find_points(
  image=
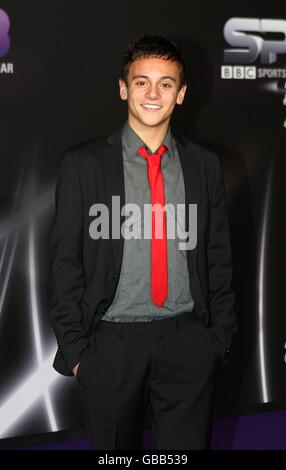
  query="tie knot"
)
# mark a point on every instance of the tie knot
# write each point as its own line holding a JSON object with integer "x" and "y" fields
{"x": 143, "y": 152}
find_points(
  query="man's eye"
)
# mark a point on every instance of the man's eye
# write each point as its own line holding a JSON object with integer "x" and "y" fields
{"x": 166, "y": 85}
{"x": 137, "y": 83}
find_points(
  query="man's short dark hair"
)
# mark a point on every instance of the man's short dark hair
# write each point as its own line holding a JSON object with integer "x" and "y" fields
{"x": 152, "y": 45}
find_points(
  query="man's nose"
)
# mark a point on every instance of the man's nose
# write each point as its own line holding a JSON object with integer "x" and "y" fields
{"x": 153, "y": 92}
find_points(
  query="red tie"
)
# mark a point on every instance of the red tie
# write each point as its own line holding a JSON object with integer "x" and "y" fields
{"x": 159, "y": 267}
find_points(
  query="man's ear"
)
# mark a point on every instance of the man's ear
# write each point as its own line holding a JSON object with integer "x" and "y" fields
{"x": 181, "y": 94}
{"x": 122, "y": 89}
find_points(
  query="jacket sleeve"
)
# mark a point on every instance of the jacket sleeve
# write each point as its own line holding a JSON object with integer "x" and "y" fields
{"x": 66, "y": 277}
{"x": 222, "y": 317}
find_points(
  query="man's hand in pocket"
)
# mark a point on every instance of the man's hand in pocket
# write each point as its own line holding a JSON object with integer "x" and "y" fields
{"x": 74, "y": 370}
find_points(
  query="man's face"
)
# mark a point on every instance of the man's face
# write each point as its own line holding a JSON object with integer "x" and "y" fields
{"x": 152, "y": 92}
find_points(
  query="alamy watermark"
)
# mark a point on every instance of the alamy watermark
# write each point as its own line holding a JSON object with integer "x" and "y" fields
{"x": 151, "y": 222}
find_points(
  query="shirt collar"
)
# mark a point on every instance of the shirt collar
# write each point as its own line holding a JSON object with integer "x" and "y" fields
{"x": 132, "y": 142}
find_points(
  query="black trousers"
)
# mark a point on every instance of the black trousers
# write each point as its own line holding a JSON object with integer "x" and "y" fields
{"x": 169, "y": 366}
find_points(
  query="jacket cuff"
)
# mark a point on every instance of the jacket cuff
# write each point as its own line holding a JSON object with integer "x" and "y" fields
{"x": 222, "y": 343}
{"x": 71, "y": 356}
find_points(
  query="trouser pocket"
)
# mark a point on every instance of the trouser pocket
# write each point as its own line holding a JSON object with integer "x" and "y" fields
{"x": 80, "y": 371}
{"x": 207, "y": 334}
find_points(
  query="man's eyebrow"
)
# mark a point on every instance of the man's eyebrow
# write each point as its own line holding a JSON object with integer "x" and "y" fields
{"x": 162, "y": 78}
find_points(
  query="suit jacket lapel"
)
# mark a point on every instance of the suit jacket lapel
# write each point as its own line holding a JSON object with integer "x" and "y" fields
{"x": 114, "y": 181}
{"x": 191, "y": 176}
{"x": 190, "y": 173}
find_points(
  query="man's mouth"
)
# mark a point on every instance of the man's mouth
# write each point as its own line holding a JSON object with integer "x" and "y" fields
{"x": 151, "y": 107}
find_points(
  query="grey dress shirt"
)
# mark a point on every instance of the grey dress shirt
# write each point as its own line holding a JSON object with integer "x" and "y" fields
{"x": 132, "y": 301}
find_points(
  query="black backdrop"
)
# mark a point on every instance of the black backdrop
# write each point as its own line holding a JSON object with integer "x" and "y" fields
{"x": 66, "y": 58}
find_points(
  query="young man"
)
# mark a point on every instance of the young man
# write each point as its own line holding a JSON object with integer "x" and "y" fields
{"x": 140, "y": 321}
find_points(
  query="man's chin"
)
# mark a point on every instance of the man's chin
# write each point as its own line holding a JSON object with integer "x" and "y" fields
{"x": 152, "y": 122}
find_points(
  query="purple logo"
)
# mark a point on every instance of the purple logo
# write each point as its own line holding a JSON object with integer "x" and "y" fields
{"x": 4, "y": 29}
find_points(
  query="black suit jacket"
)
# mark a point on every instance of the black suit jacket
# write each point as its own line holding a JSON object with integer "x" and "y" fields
{"x": 85, "y": 272}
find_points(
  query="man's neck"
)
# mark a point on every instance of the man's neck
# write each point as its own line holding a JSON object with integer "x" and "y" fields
{"x": 151, "y": 136}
